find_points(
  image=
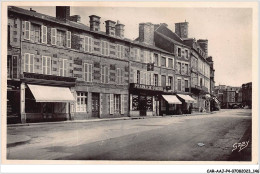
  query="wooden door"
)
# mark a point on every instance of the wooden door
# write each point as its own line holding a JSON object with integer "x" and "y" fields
{"x": 95, "y": 105}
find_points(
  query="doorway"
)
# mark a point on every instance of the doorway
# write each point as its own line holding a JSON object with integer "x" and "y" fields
{"x": 95, "y": 105}
{"x": 142, "y": 105}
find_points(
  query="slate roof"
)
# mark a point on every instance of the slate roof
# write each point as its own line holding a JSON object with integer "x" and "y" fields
{"x": 77, "y": 25}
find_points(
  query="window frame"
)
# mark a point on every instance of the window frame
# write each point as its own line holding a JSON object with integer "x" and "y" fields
{"x": 29, "y": 64}
{"x": 46, "y": 66}
{"x": 64, "y": 67}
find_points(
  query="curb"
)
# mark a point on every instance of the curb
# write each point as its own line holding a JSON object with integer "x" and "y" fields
{"x": 105, "y": 119}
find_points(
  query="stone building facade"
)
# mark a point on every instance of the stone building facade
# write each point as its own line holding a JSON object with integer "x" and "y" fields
{"x": 66, "y": 54}
{"x": 62, "y": 69}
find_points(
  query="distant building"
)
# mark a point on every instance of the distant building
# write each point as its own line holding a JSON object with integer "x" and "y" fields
{"x": 247, "y": 94}
{"x": 229, "y": 97}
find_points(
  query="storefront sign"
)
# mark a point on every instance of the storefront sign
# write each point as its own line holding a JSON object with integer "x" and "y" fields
{"x": 147, "y": 87}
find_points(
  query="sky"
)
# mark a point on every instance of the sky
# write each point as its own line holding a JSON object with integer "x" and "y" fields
{"x": 228, "y": 30}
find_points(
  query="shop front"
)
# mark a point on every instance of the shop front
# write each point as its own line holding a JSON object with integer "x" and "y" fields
{"x": 46, "y": 98}
{"x": 187, "y": 103}
{"x": 170, "y": 105}
{"x": 145, "y": 100}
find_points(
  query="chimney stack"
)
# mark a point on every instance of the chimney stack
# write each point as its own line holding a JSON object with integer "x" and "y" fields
{"x": 181, "y": 29}
{"x": 204, "y": 45}
{"x": 75, "y": 18}
{"x": 94, "y": 23}
{"x": 120, "y": 29}
{"x": 146, "y": 33}
{"x": 110, "y": 27}
{"x": 63, "y": 12}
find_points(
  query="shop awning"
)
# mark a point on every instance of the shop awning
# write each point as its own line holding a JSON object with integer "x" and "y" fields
{"x": 51, "y": 93}
{"x": 171, "y": 99}
{"x": 187, "y": 98}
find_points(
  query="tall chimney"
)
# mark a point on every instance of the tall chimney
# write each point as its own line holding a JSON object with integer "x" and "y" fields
{"x": 94, "y": 23}
{"x": 110, "y": 27}
{"x": 120, "y": 29}
{"x": 146, "y": 33}
{"x": 63, "y": 12}
{"x": 204, "y": 45}
{"x": 181, "y": 29}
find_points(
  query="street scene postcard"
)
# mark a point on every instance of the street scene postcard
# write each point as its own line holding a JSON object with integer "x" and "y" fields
{"x": 129, "y": 82}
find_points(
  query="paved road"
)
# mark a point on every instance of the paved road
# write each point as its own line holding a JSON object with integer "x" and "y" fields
{"x": 166, "y": 138}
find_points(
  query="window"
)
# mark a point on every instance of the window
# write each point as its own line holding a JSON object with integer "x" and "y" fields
{"x": 179, "y": 52}
{"x": 120, "y": 51}
{"x": 104, "y": 74}
{"x": 46, "y": 65}
{"x": 138, "y": 77}
{"x": 61, "y": 38}
{"x": 178, "y": 67}
{"x": 12, "y": 66}
{"x": 119, "y": 76}
{"x": 186, "y": 54}
{"x": 88, "y": 72}
{"x": 68, "y": 39}
{"x": 105, "y": 48}
{"x": 53, "y": 36}
{"x": 63, "y": 67}
{"x": 179, "y": 84}
{"x": 28, "y": 62}
{"x": 44, "y": 34}
{"x": 88, "y": 44}
{"x": 163, "y": 77}
{"x": 156, "y": 59}
{"x": 155, "y": 79}
{"x": 27, "y": 30}
{"x": 81, "y": 105}
{"x": 117, "y": 103}
{"x": 186, "y": 69}
{"x": 201, "y": 82}
{"x": 186, "y": 82}
{"x": 170, "y": 63}
{"x": 163, "y": 61}
{"x": 35, "y": 33}
{"x": 170, "y": 81}
{"x": 137, "y": 53}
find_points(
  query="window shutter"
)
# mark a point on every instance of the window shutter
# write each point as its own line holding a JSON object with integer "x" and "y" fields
{"x": 90, "y": 42}
{"x": 135, "y": 76}
{"x": 53, "y": 36}
{"x": 122, "y": 104}
{"x": 68, "y": 39}
{"x": 107, "y": 43}
{"x": 152, "y": 83}
{"x": 141, "y": 77}
{"x": 159, "y": 60}
{"x": 90, "y": 72}
{"x": 85, "y": 72}
{"x": 145, "y": 78}
{"x": 117, "y": 76}
{"x": 102, "y": 74}
{"x": 111, "y": 106}
{"x": 44, "y": 34}
{"x": 167, "y": 80}
{"x": 27, "y": 30}
{"x": 107, "y": 75}
{"x": 122, "y": 51}
{"x": 122, "y": 77}
{"x": 152, "y": 57}
{"x": 102, "y": 47}
{"x": 167, "y": 62}
{"x": 159, "y": 80}
{"x": 26, "y": 62}
{"x": 31, "y": 63}
{"x": 85, "y": 44}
